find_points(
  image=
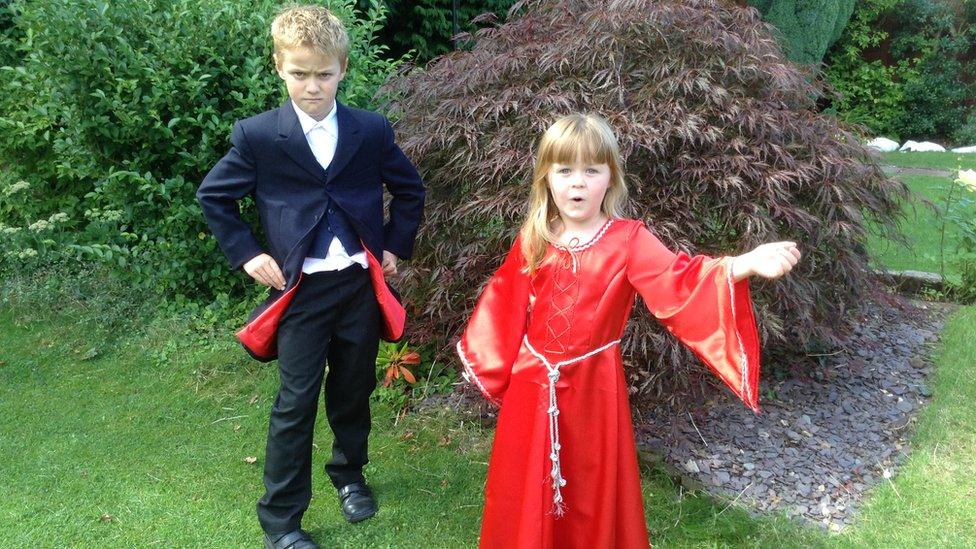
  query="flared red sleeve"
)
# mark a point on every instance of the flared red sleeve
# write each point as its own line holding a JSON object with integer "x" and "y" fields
{"x": 696, "y": 299}
{"x": 492, "y": 338}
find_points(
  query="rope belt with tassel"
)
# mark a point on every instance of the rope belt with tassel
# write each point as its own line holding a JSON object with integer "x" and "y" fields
{"x": 553, "y": 374}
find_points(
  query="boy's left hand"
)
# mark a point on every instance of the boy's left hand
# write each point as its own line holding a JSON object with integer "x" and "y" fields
{"x": 389, "y": 263}
{"x": 771, "y": 260}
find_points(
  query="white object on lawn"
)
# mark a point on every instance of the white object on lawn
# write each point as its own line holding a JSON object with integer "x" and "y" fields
{"x": 883, "y": 144}
{"x": 921, "y": 146}
{"x": 969, "y": 149}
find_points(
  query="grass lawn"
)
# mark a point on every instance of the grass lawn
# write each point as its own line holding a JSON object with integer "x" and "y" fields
{"x": 113, "y": 438}
{"x": 922, "y": 223}
{"x": 146, "y": 443}
{"x": 937, "y": 160}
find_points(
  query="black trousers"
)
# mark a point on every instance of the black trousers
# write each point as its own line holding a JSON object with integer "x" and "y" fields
{"x": 333, "y": 318}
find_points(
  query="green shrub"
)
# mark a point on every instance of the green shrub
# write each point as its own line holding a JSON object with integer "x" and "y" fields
{"x": 965, "y": 135}
{"x": 902, "y": 66}
{"x": 426, "y": 27}
{"x": 955, "y": 211}
{"x": 807, "y": 28}
{"x": 870, "y": 93}
{"x": 117, "y": 111}
{"x": 938, "y": 37}
{"x": 8, "y": 34}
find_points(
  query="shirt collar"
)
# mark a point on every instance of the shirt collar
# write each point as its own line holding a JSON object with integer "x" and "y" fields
{"x": 329, "y": 123}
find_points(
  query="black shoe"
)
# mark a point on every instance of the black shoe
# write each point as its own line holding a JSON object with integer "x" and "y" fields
{"x": 356, "y": 501}
{"x": 296, "y": 539}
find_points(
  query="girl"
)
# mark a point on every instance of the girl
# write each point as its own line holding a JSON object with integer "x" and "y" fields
{"x": 543, "y": 343}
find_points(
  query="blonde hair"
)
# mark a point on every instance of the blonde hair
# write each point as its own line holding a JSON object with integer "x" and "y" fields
{"x": 578, "y": 137}
{"x": 311, "y": 27}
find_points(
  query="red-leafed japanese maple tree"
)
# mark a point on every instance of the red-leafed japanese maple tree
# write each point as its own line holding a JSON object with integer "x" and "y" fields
{"x": 723, "y": 144}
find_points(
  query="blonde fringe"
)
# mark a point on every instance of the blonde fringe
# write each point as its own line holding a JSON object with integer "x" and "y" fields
{"x": 576, "y": 137}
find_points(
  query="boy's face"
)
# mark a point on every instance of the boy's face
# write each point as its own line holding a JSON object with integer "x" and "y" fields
{"x": 312, "y": 78}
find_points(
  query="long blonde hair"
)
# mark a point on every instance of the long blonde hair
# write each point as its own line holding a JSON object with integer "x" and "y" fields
{"x": 578, "y": 137}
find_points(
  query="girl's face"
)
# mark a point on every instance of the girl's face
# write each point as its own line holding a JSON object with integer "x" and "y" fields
{"x": 578, "y": 190}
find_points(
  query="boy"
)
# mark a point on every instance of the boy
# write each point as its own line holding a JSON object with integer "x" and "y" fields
{"x": 316, "y": 170}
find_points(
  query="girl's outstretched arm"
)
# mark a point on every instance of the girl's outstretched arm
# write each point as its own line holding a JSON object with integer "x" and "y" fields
{"x": 699, "y": 302}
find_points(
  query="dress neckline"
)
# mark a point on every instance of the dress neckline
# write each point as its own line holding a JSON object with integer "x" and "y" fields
{"x": 588, "y": 244}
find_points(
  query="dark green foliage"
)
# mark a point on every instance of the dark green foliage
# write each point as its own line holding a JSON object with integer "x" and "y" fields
{"x": 807, "y": 27}
{"x": 115, "y": 114}
{"x": 905, "y": 68}
{"x": 869, "y": 92}
{"x": 8, "y": 34}
{"x": 427, "y": 26}
{"x": 938, "y": 37}
{"x": 724, "y": 150}
{"x": 965, "y": 135}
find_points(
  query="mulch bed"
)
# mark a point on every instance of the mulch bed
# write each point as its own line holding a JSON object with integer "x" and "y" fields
{"x": 822, "y": 441}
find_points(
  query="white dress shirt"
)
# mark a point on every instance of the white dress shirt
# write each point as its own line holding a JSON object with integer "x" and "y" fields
{"x": 322, "y": 136}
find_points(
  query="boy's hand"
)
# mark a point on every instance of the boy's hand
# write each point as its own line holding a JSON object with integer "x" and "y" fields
{"x": 389, "y": 263}
{"x": 771, "y": 260}
{"x": 264, "y": 270}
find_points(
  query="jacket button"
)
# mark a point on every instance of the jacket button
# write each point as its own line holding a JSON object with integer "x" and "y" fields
{"x": 330, "y": 210}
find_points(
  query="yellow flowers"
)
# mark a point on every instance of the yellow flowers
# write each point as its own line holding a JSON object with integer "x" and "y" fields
{"x": 967, "y": 178}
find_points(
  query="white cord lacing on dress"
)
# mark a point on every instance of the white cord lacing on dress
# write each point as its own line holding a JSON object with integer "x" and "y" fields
{"x": 553, "y": 411}
{"x": 589, "y": 243}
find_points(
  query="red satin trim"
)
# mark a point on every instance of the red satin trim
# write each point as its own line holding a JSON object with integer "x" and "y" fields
{"x": 260, "y": 335}
{"x": 393, "y": 317}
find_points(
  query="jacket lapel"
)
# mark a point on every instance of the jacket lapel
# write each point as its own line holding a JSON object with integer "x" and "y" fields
{"x": 350, "y": 137}
{"x": 292, "y": 141}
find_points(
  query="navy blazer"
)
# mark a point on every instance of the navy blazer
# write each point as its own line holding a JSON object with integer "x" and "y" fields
{"x": 270, "y": 160}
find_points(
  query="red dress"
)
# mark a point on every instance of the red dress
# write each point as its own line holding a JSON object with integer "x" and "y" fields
{"x": 563, "y": 470}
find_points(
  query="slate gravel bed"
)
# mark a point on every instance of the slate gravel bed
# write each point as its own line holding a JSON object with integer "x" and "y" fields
{"x": 821, "y": 441}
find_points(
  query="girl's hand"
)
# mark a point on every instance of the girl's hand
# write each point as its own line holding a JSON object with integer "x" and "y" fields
{"x": 771, "y": 260}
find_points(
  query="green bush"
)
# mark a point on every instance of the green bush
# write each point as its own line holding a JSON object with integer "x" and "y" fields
{"x": 425, "y": 27}
{"x": 8, "y": 34}
{"x": 806, "y": 27}
{"x": 955, "y": 211}
{"x": 115, "y": 113}
{"x": 902, "y": 66}
{"x": 965, "y": 135}
{"x": 870, "y": 93}
{"x": 938, "y": 36}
